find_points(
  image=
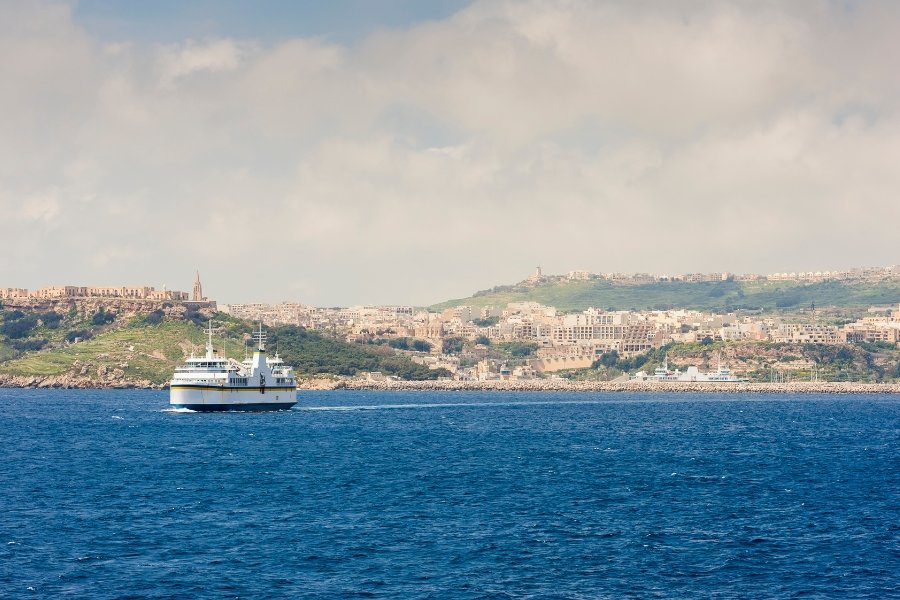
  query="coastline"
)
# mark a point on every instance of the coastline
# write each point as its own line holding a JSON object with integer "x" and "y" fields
{"x": 68, "y": 382}
{"x": 557, "y": 385}
{"x": 535, "y": 385}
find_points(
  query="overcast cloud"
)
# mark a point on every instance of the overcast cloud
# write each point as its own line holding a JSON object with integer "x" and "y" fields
{"x": 415, "y": 164}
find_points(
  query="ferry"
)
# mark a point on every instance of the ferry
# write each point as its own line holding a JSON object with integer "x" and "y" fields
{"x": 215, "y": 383}
{"x": 691, "y": 375}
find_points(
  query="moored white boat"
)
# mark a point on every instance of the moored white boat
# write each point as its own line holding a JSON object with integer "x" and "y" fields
{"x": 690, "y": 375}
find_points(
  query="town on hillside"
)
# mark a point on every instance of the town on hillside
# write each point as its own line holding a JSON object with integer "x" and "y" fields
{"x": 541, "y": 340}
{"x": 546, "y": 340}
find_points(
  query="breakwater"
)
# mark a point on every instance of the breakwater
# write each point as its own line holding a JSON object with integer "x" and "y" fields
{"x": 534, "y": 385}
{"x": 562, "y": 385}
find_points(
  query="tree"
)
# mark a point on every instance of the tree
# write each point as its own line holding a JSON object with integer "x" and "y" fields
{"x": 452, "y": 345}
{"x": 311, "y": 353}
{"x": 486, "y": 322}
{"x": 399, "y": 343}
{"x": 421, "y": 346}
{"x": 483, "y": 340}
{"x": 519, "y": 349}
{"x": 609, "y": 359}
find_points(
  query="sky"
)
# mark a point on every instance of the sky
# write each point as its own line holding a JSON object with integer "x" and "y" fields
{"x": 407, "y": 152}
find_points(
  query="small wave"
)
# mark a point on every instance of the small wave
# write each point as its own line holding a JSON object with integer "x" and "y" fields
{"x": 117, "y": 417}
{"x": 448, "y": 405}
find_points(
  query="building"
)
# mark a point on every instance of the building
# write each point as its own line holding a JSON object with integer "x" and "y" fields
{"x": 197, "y": 295}
{"x": 58, "y": 292}
{"x": 804, "y": 333}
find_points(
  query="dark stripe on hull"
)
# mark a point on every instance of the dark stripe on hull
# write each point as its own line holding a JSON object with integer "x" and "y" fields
{"x": 219, "y": 388}
{"x": 256, "y": 407}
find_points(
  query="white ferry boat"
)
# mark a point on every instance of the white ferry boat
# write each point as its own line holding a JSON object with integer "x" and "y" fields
{"x": 692, "y": 374}
{"x": 216, "y": 383}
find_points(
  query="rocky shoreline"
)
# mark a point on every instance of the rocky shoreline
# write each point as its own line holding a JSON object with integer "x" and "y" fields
{"x": 537, "y": 385}
{"x": 74, "y": 382}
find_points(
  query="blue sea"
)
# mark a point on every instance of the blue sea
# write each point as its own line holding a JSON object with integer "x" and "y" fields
{"x": 107, "y": 494}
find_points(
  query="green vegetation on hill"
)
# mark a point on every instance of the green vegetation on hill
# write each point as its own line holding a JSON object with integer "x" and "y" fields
{"x": 713, "y": 296}
{"x": 148, "y": 347}
{"x": 141, "y": 352}
{"x": 312, "y": 354}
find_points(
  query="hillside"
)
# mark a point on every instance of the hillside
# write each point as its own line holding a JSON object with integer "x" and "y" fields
{"x": 118, "y": 347}
{"x": 711, "y": 296}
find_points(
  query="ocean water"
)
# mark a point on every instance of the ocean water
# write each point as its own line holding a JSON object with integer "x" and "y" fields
{"x": 106, "y": 494}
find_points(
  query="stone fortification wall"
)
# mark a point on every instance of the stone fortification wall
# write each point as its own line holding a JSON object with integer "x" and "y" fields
{"x": 85, "y": 307}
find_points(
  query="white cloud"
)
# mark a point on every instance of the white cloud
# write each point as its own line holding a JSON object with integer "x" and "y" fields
{"x": 43, "y": 209}
{"x": 431, "y": 161}
{"x": 192, "y": 57}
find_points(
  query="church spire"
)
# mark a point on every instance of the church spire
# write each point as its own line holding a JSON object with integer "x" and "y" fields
{"x": 198, "y": 289}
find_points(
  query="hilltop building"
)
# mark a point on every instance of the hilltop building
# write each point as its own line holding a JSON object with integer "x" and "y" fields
{"x": 129, "y": 292}
{"x": 126, "y": 292}
{"x": 535, "y": 277}
{"x": 197, "y": 295}
{"x": 198, "y": 300}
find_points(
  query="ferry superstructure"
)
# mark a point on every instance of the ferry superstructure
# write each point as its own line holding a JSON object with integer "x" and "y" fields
{"x": 215, "y": 383}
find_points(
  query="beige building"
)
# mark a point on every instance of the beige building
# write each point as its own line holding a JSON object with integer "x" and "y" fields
{"x": 872, "y": 334}
{"x": 804, "y": 333}
{"x": 129, "y": 292}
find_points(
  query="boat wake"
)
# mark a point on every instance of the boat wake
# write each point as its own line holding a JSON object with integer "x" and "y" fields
{"x": 178, "y": 410}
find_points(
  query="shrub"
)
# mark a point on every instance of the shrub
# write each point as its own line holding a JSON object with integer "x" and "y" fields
{"x": 844, "y": 355}
{"x": 29, "y": 345}
{"x": 19, "y": 328}
{"x": 84, "y": 334}
{"x": 50, "y": 319}
{"x": 154, "y": 318}
{"x": 101, "y": 317}
{"x": 193, "y": 315}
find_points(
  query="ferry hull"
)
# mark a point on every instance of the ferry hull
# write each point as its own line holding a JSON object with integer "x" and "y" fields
{"x": 235, "y": 407}
{"x": 218, "y": 399}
